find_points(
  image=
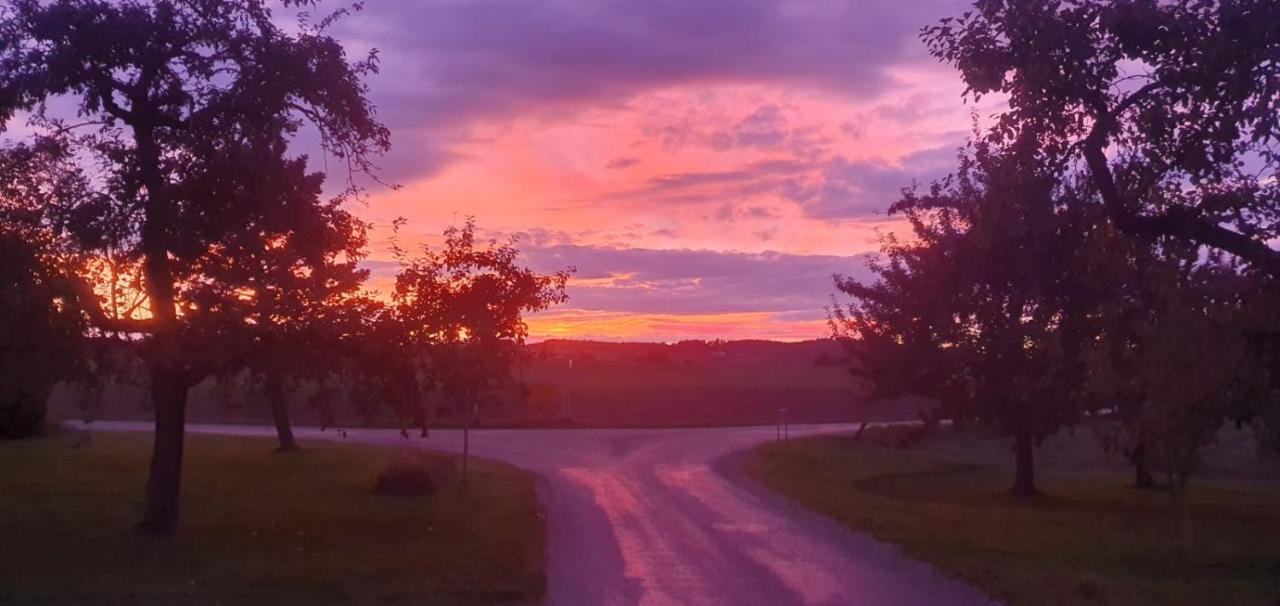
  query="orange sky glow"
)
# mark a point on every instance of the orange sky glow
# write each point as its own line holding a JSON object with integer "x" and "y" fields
{"x": 703, "y": 187}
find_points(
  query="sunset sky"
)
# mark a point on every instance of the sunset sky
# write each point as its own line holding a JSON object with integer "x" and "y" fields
{"x": 706, "y": 166}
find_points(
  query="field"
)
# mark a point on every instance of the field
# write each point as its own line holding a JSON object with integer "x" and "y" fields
{"x": 587, "y": 384}
{"x": 1093, "y": 539}
{"x": 259, "y": 528}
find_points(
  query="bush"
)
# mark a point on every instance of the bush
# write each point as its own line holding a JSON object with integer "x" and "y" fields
{"x": 21, "y": 416}
{"x": 415, "y": 474}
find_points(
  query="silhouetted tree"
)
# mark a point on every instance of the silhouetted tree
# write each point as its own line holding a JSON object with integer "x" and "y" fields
{"x": 389, "y": 368}
{"x": 1192, "y": 87}
{"x": 44, "y": 297}
{"x": 980, "y": 307}
{"x": 296, "y": 280}
{"x": 1259, "y": 300}
{"x": 1135, "y": 275}
{"x": 1184, "y": 368}
{"x": 464, "y": 305}
{"x": 182, "y": 104}
{"x": 901, "y": 330}
{"x": 1174, "y": 110}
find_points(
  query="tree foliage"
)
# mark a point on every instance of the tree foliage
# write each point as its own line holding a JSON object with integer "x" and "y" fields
{"x": 44, "y": 296}
{"x": 1110, "y": 244}
{"x": 187, "y": 109}
{"x": 463, "y": 305}
{"x": 983, "y": 306}
{"x": 292, "y": 290}
{"x": 1191, "y": 88}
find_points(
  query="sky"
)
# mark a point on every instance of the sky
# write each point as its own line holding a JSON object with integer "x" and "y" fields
{"x": 705, "y": 166}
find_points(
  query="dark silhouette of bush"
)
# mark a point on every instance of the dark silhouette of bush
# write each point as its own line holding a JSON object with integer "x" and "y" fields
{"x": 21, "y": 416}
{"x": 415, "y": 475}
{"x": 43, "y": 301}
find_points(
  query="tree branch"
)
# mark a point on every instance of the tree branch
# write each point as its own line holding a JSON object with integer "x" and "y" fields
{"x": 1179, "y": 222}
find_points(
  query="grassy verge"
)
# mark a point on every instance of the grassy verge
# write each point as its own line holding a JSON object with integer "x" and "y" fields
{"x": 1092, "y": 540}
{"x": 259, "y": 528}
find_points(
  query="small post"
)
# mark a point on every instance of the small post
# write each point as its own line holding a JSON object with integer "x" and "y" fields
{"x": 784, "y": 427}
{"x": 566, "y": 398}
{"x": 466, "y": 438}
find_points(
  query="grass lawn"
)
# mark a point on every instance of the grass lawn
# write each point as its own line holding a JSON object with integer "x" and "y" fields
{"x": 1092, "y": 540}
{"x": 259, "y": 528}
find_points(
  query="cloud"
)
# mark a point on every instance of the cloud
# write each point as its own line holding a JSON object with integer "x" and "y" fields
{"x": 728, "y": 213}
{"x": 746, "y": 174}
{"x": 613, "y": 326}
{"x": 601, "y": 130}
{"x": 620, "y": 163}
{"x": 766, "y": 234}
{"x": 827, "y": 188}
{"x": 449, "y": 63}
{"x": 719, "y": 186}
{"x": 639, "y": 280}
{"x": 764, "y": 128}
{"x": 845, "y": 189}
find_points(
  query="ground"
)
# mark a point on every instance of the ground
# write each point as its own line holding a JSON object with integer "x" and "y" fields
{"x": 259, "y": 527}
{"x": 659, "y": 516}
{"x": 1091, "y": 540}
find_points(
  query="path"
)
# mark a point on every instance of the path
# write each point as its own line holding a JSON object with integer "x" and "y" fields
{"x": 640, "y": 516}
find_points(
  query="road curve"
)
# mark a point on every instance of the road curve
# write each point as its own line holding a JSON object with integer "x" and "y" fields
{"x": 653, "y": 517}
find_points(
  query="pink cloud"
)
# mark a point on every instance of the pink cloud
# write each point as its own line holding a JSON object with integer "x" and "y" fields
{"x": 643, "y": 138}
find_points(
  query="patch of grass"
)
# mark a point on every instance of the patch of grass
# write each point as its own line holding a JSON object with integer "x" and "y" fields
{"x": 259, "y": 528}
{"x": 1092, "y": 540}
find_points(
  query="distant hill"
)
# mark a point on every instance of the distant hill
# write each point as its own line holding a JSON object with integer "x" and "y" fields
{"x": 689, "y": 382}
{"x": 803, "y": 353}
{"x": 605, "y": 384}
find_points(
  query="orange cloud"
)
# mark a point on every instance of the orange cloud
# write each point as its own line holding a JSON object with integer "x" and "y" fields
{"x": 707, "y": 166}
{"x": 624, "y": 326}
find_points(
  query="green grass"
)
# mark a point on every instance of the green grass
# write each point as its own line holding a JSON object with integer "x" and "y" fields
{"x": 1092, "y": 540}
{"x": 259, "y": 528}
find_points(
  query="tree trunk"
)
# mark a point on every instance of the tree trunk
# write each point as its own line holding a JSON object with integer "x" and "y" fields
{"x": 169, "y": 380}
{"x": 1142, "y": 478}
{"x": 466, "y": 449}
{"x": 280, "y": 414}
{"x": 1024, "y": 477}
{"x": 1182, "y": 509}
{"x": 169, "y": 398}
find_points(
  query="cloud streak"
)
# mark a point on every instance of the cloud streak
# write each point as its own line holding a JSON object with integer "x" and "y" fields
{"x": 706, "y": 165}
{"x": 695, "y": 281}
{"x": 450, "y": 63}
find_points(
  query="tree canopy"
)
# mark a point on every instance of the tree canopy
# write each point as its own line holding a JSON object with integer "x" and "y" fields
{"x": 464, "y": 305}
{"x": 1189, "y": 88}
{"x": 44, "y": 296}
{"x": 187, "y": 109}
{"x": 981, "y": 306}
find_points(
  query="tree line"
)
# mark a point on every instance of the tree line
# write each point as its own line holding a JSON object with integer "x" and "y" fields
{"x": 1106, "y": 248}
{"x": 155, "y": 211}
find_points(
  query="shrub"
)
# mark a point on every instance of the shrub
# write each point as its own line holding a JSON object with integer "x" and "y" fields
{"x": 21, "y": 416}
{"x": 415, "y": 474}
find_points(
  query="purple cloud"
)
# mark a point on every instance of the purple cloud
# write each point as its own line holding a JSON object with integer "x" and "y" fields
{"x": 831, "y": 188}
{"x": 620, "y": 163}
{"x": 729, "y": 213}
{"x": 845, "y": 189}
{"x": 696, "y": 281}
{"x": 764, "y": 128}
{"x": 448, "y": 63}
